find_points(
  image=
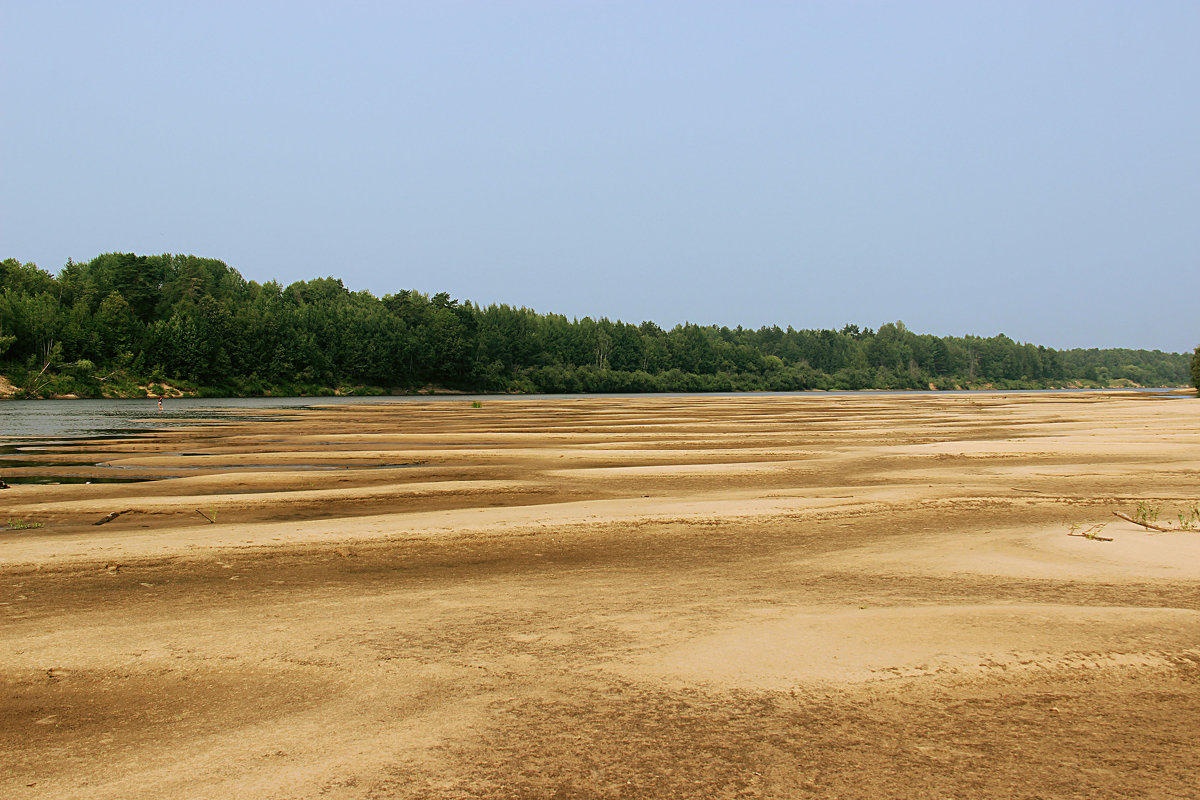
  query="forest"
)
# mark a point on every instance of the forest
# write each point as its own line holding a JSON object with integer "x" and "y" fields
{"x": 122, "y": 324}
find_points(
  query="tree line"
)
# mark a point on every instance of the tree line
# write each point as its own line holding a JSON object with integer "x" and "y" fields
{"x": 122, "y": 321}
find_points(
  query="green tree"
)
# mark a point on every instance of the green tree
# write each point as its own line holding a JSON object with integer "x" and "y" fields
{"x": 115, "y": 326}
{"x": 196, "y": 318}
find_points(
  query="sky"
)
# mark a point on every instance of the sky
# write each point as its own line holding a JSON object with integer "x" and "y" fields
{"x": 1026, "y": 168}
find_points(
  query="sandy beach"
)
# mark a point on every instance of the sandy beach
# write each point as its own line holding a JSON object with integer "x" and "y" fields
{"x": 805, "y": 596}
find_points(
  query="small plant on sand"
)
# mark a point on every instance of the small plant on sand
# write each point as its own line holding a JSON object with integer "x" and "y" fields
{"x": 1090, "y": 532}
{"x": 1189, "y": 518}
{"x": 476, "y": 404}
{"x": 22, "y": 525}
{"x": 1146, "y": 512}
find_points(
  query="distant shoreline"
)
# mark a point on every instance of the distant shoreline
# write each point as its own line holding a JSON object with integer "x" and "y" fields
{"x": 8, "y": 392}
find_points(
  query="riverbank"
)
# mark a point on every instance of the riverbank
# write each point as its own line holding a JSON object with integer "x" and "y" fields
{"x": 81, "y": 383}
{"x": 757, "y": 596}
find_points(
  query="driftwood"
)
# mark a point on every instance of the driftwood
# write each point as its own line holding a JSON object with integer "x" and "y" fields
{"x": 1149, "y": 525}
{"x": 111, "y": 517}
{"x": 206, "y": 516}
{"x": 1092, "y": 533}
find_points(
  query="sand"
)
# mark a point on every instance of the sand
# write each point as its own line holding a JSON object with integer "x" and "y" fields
{"x": 855, "y": 596}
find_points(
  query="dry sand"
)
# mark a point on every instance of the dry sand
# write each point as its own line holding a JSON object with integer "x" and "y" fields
{"x": 788, "y": 597}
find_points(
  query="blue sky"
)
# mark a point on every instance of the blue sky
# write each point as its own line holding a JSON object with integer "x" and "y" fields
{"x": 1025, "y": 168}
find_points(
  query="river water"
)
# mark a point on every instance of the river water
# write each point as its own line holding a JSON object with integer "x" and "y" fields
{"x": 52, "y": 419}
{"x": 38, "y": 438}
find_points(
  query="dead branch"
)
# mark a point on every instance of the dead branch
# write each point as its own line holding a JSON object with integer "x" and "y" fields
{"x": 32, "y": 385}
{"x": 1149, "y": 525}
{"x": 111, "y": 517}
{"x": 206, "y": 516}
{"x": 1093, "y": 537}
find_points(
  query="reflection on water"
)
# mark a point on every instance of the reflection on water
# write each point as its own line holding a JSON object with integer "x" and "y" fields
{"x": 57, "y": 427}
{"x": 44, "y": 419}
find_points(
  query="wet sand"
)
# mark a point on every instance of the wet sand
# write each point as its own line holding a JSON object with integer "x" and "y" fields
{"x": 780, "y": 597}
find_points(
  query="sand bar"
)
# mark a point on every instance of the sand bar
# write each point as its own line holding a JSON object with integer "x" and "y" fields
{"x": 752, "y": 596}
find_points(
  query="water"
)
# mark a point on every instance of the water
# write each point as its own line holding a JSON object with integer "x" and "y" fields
{"x": 54, "y": 428}
{"x": 29, "y": 420}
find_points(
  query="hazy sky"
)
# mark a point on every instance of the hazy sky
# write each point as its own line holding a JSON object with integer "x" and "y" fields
{"x": 966, "y": 167}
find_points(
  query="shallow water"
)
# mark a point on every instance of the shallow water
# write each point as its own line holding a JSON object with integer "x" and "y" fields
{"x": 55, "y": 480}
{"x": 25, "y": 420}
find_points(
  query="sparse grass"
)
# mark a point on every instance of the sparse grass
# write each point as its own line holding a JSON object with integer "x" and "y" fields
{"x": 1189, "y": 518}
{"x": 1147, "y": 512}
{"x": 476, "y": 404}
{"x": 22, "y": 525}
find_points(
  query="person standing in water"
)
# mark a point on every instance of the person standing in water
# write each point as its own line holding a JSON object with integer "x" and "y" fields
{"x": 160, "y": 402}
